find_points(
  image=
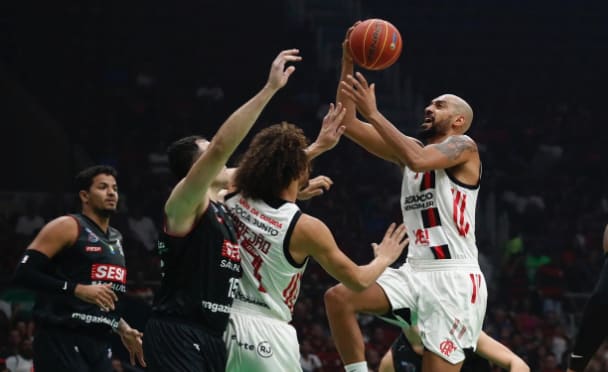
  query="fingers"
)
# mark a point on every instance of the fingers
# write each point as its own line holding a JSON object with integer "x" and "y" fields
{"x": 334, "y": 116}
{"x": 289, "y": 71}
{"x": 389, "y": 231}
{"x": 108, "y": 287}
{"x": 289, "y": 55}
{"x": 321, "y": 181}
{"x": 400, "y": 232}
{"x": 132, "y": 357}
{"x": 140, "y": 358}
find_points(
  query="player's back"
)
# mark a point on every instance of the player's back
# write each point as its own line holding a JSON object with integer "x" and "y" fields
{"x": 271, "y": 278}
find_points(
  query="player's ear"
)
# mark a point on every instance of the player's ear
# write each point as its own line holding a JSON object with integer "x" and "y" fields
{"x": 460, "y": 122}
{"x": 84, "y": 196}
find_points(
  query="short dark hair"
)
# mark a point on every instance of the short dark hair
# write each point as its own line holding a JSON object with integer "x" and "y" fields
{"x": 274, "y": 159}
{"x": 84, "y": 179}
{"x": 182, "y": 154}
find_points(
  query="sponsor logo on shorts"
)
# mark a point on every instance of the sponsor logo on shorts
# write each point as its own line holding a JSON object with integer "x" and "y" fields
{"x": 264, "y": 349}
{"x": 242, "y": 345}
{"x": 447, "y": 347}
{"x": 92, "y": 249}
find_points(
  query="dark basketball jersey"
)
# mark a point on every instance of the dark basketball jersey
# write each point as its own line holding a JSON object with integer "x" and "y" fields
{"x": 200, "y": 271}
{"x": 95, "y": 258}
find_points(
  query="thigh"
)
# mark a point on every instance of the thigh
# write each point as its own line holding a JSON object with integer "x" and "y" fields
{"x": 432, "y": 362}
{"x": 258, "y": 344}
{"x": 451, "y": 312}
{"x": 401, "y": 291}
{"x": 171, "y": 346}
{"x": 56, "y": 351}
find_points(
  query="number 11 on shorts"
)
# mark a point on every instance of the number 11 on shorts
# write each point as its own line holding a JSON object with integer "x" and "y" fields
{"x": 476, "y": 280}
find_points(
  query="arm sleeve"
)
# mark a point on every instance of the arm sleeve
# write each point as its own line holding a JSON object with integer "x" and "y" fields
{"x": 33, "y": 272}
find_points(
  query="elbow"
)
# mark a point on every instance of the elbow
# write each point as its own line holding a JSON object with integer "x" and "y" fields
{"x": 417, "y": 165}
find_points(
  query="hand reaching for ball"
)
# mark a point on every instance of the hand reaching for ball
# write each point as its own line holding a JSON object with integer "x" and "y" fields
{"x": 279, "y": 75}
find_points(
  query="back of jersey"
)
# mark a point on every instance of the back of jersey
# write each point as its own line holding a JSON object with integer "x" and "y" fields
{"x": 271, "y": 278}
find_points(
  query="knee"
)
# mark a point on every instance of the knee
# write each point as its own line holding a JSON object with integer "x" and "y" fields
{"x": 336, "y": 298}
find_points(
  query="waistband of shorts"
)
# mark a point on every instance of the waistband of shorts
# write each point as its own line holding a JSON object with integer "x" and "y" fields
{"x": 441, "y": 265}
{"x": 250, "y": 309}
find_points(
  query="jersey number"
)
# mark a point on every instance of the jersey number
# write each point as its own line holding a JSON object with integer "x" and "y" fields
{"x": 234, "y": 286}
{"x": 257, "y": 264}
{"x": 476, "y": 280}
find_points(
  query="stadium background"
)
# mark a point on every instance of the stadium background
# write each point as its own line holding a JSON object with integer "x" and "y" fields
{"x": 115, "y": 81}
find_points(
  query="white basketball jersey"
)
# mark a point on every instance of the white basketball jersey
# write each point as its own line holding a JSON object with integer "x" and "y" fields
{"x": 271, "y": 279}
{"x": 439, "y": 214}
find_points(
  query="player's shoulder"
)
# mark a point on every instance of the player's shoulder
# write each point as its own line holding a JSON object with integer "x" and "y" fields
{"x": 63, "y": 228}
{"x": 63, "y": 222}
{"x": 309, "y": 228}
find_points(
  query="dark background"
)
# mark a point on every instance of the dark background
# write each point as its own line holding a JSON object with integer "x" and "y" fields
{"x": 116, "y": 81}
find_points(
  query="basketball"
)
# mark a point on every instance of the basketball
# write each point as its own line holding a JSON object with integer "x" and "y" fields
{"x": 375, "y": 44}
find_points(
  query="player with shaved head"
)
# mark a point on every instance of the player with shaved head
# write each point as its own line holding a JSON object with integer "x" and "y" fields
{"x": 441, "y": 281}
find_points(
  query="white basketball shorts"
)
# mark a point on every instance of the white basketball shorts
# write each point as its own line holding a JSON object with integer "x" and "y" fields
{"x": 448, "y": 296}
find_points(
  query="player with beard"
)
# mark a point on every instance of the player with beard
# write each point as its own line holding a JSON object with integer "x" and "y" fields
{"x": 77, "y": 265}
{"x": 441, "y": 280}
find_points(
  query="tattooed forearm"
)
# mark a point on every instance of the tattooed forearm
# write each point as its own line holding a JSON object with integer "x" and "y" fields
{"x": 454, "y": 146}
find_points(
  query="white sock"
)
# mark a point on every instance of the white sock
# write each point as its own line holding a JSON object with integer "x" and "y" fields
{"x": 356, "y": 367}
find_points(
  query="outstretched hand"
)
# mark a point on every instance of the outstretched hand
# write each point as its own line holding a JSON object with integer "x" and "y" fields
{"x": 345, "y": 44}
{"x": 316, "y": 186}
{"x": 132, "y": 340}
{"x": 393, "y": 243}
{"x": 279, "y": 75}
{"x": 331, "y": 128}
{"x": 363, "y": 94}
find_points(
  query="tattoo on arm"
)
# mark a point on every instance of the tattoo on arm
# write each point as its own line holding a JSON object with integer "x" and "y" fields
{"x": 455, "y": 146}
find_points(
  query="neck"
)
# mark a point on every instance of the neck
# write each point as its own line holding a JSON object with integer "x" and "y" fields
{"x": 290, "y": 194}
{"x": 439, "y": 138}
{"x": 101, "y": 221}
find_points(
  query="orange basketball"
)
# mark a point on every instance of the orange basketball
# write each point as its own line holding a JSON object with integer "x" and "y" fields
{"x": 375, "y": 44}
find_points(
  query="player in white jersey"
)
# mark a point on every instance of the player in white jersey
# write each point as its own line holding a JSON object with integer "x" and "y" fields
{"x": 441, "y": 280}
{"x": 276, "y": 239}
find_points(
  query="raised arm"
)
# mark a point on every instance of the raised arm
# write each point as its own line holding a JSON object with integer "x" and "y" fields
{"x": 191, "y": 193}
{"x": 455, "y": 150}
{"x": 311, "y": 237}
{"x": 358, "y": 131}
